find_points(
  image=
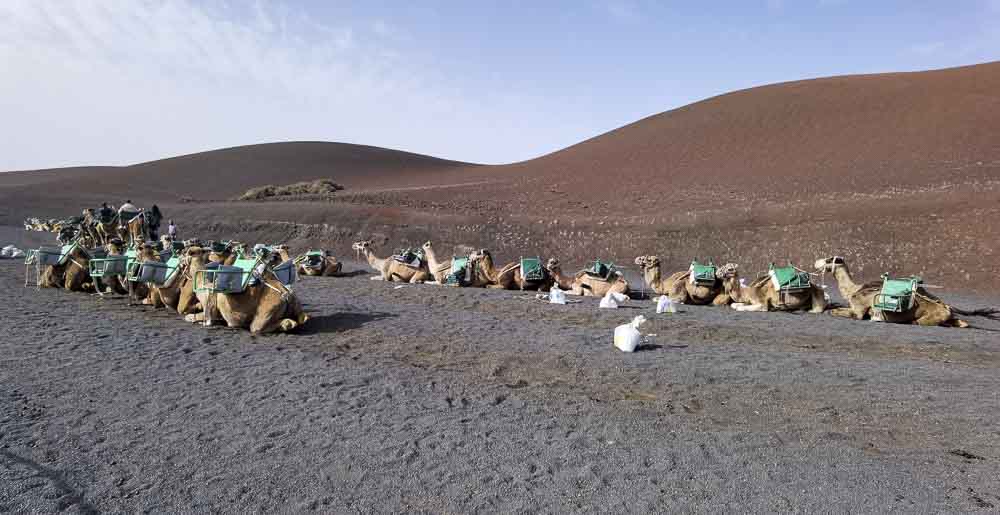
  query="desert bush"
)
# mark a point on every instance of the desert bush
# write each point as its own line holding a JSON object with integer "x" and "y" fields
{"x": 316, "y": 187}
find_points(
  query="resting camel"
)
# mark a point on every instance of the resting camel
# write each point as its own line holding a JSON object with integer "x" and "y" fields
{"x": 508, "y": 277}
{"x": 762, "y": 295}
{"x": 679, "y": 286}
{"x": 73, "y": 275}
{"x": 319, "y": 263}
{"x": 264, "y": 307}
{"x": 390, "y": 269}
{"x": 168, "y": 294}
{"x": 585, "y": 284}
{"x": 112, "y": 283}
{"x": 440, "y": 271}
{"x": 192, "y": 259}
{"x": 926, "y": 309}
{"x": 105, "y": 231}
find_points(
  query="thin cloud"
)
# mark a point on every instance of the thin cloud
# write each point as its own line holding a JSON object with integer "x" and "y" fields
{"x": 105, "y": 82}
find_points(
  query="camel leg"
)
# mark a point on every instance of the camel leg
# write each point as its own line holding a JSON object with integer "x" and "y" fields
{"x": 818, "y": 301}
{"x": 955, "y": 322}
{"x": 844, "y": 313}
{"x": 195, "y": 317}
{"x": 750, "y": 307}
{"x": 722, "y": 299}
{"x": 932, "y": 319}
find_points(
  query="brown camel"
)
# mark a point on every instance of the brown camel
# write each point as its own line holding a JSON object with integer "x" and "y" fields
{"x": 683, "y": 287}
{"x": 167, "y": 294}
{"x": 763, "y": 295}
{"x": 508, "y": 277}
{"x": 439, "y": 270}
{"x": 192, "y": 260}
{"x": 72, "y": 274}
{"x": 585, "y": 284}
{"x": 319, "y": 263}
{"x": 925, "y": 308}
{"x": 264, "y": 306}
{"x": 389, "y": 268}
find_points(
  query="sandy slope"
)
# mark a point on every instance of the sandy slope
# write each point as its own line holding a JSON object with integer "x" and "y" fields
{"x": 898, "y": 172}
{"x": 450, "y": 400}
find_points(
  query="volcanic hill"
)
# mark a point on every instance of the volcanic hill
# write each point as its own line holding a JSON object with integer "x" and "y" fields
{"x": 898, "y": 172}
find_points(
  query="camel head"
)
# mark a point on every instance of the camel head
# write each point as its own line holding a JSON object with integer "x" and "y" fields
{"x": 363, "y": 246}
{"x": 727, "y": 271}
{"x": 552, "y": 265}
{"x": 426, "y": 246}
{"x": 148, "y": 252}
{"x": 115, "y": 246}
{"x": 830, "y": 264}
{"x": 647, "y": 261}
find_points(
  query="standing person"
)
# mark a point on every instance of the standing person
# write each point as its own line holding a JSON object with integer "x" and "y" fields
{"x": 171, "y": 230}
{"x": 105, "y": 214}
{"x": 126, "y": 213}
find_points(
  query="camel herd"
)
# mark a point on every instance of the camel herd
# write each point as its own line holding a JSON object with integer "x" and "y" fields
{"x": 208, "y": 282}
{"x": 252, "y": 287}
{"x": 781, "y": 289}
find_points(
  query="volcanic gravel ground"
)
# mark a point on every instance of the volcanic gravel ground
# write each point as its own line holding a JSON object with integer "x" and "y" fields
{"x": 425, "y": 398}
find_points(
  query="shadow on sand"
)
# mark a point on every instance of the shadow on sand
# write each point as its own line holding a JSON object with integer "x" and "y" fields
{"x": 355, "y": 273}
{"x": 337, "y": 322}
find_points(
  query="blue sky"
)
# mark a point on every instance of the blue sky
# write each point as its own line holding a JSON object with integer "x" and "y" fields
{"x": 124, "y": 81}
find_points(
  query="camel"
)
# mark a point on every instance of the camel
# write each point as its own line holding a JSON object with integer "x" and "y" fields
{"x": 763, "y": 295}
{"x": 114, "y": 283}
{"x": 192, "y": 260}
{"x": 73, "y": 274}
{"x": 585, "y": 284}
{"x": 318, "y": 263}
{"x": 134, "y": 230}
{"x": 169, "y": 293}
{"x": 263, "y": 307}
{"x": 283, "y": 252}
{"x": 438, "y": 270}
{"x": 680, "y": 287}
{"x": 389, "y": 268}
{"x": 508, "y": 277}
{"x": 926, "y": 309}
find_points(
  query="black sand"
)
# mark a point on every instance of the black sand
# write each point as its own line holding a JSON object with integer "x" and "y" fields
{"x": 426, "y": 398}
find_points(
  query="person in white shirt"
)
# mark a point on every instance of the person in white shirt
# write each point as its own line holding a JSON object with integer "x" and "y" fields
{"x": 126, "y": 213}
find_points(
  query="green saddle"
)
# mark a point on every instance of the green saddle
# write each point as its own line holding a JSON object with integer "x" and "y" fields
{"x": 459, "y": 271}
{"x": 600, "y": 269}
{"x": 702, "y": 274}
{"x": 789, "y": 278}
{"x": 410, "y": 257}
{"x": 532, "y": 269}
{"x": 897, "y": 294}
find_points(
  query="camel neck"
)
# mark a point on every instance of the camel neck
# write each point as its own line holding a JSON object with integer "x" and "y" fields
{"x": 373, "y": 261}
{"x": 652, "y": 275}
{"x": 564, "y": 282}
{"x": 845, "y": 284}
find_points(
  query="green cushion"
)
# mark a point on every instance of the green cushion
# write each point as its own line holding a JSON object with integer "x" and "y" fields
{"x": 458, "y": 268}
{"x": 599, "y": 269}
{"x": 789, "y": 278}
{"x": 896, "y": 294}
{"x": 532, "y": 269}
{"x": 702, "y": 273}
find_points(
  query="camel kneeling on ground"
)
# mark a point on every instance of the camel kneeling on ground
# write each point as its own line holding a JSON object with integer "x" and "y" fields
{"x": 763, "y": 294}
{"x": 391, "y": 269}
{"x": 923, "y": 309}
{"x": 686, "y": 287}
{"x": 265, "y": 305}
{"x": 586, "y": 284}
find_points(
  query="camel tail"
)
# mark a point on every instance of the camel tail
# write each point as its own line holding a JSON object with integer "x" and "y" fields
{"x": 991, "y": 313}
